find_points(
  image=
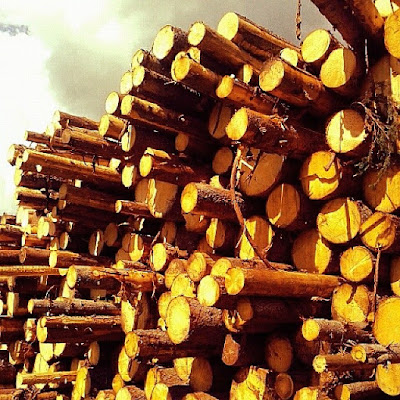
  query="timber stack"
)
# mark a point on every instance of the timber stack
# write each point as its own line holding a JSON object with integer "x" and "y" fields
{"x": 229, "y": 229}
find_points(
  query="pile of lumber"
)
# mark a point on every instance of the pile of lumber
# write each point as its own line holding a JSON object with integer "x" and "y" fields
{"x": 229, "y": 229}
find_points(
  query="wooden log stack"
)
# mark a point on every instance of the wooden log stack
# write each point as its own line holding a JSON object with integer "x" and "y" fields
{"x": 229, "y": 229}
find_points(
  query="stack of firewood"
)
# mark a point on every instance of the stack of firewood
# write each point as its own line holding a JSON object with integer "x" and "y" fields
{"x": 228, "y": 230}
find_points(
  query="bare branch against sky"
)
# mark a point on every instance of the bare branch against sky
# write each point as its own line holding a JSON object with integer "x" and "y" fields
{"x": 76, "y": 52}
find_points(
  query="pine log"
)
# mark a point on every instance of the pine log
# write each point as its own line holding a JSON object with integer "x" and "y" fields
{"x": 195, "y": 148}
{"x": 394, "y": 276}
{"x": 351, "y": 303}
{"x": 68, "y": 120}
{"x": 220, "y": 116}
{"x": 342, "y": 72}
{"x": 297, "y": 87}
{"x": 186, "y": 315}
{"x": 357, "y": 264}
{"x": 160, "y": 165}
{"x": 324, "y": 176}
{"x": 130, "y": 392}
{"x": 71, "y": 169}
{"x": 84, "y": 278}
{"x": 278, "y": 352}
{"x": 112, "y": 127}
{"x": 148, "y": 60}
{"x": 72, "y": 307}
{"x": 380, "y": 231}
{"x": 243, "y": 350}
{"x": 337, "y": 362}
{"x": 64, "y": 258}
{"x": 255, "y": 39}
{"x": 346, "y": 133}
{"x": 32, "y": 256}
{"x": 340, "y": 220}
{"x": 265, "y": 282}
{"x": 385, "y": 326}
{"x": 163, "y": 253}
{"x": 192, "y": 74}
{"x": 45, "y": 377}
{"x": 358, "y": 391}
{"x": 169, "y": 41}
{"x": 221, "y": 235}
{"x": 152, "y": 86}
{"x": 287, "y": 207}
{"x": 334, "y": 331}
{"x": 284, "y": 137}
{"x": 201, "y": 198}
{"x": 316, "y": 47}
{"x": 387, "y": 378}
{"x": 175, "y": 267}
{"x": 220, "y": 48}
{"x": 375, "y": 353}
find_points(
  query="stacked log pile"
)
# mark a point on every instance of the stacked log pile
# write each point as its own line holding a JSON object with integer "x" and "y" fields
{"x": 229, "y": 229}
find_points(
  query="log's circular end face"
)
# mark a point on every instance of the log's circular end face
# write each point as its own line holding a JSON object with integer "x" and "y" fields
{"x": 93, "y": 353}
{"x": 358, "y": 353}
{"x": 163, "y": 42}
{"x": 260, "y": 172}
{"x": 387, "y": 327}
{"x": 342, "y": 392}
{"x": 160, "y": 392}
{"x": 41, "y": 333}
{"x": 283, "y": 205}
{"x": 319, "y": 363}
{"x": 315, "y": 45}
{"x": 284, "y": 386}
{"x": 290, "y": 56}
{"x": 392, "y": 34}
{"x": 145, "y": 165}
{"x": 395, "y": 275}
{"x": 18, "y": 174}
{"x": 129, "y": 316}
{"x": 228, "y": 26}
{"x": 201, "y": 375}
{"x": 306, "y": 393}
{"x": 189, "y": 198}
{"x": 112, "y": 103}
{"x": 339, "y": 68}
{"x": 180, "y": 68}
{"x": 310, "y": 330}
{"x": 183, "y": 286}
{"x": 320, "y": 175}
{"x": 350, "y": 303}
{"x": 183, "y": 367}
{"x": 111, "y": 232}
{"x": 262, "y": 234}
{"x": 137, "y": 58}
{"x": 208, "y": 291}
{"x": 64, "y": 240}
{"x": 197, "y": 265}
{"x": 121, "y": 394}
{"x": 163, "y": 303}
{"x": 117, "y": 383}
{"x": 126, "y": 83}
{"x": 311, "y": 252}
{"x": 178, "y": 320}
{"x": 127, "y": 366}
{"x": 196, "y": 33}
{"x": 225, "y": 87}
{"x": 237, "y": 126}
{"x": 158, "y": 257}
{"x": 345, "y": 131}
{"x": 220, "y": 116}
{"x": 31, "y": 305}
{"x": 131, "y": 344}
{"x": 378, "y": 231}
{"x": 234, "y": 281}
{"x": 138, "y": 75}
{"x": 127, "y": 105}
{"x": 216, "y": 233}
{"x": 356, "y": 264}
{"x": 278, "y": 353}
{"x": 222, "y": 160}
{"x": 83, "y": 381}
{"x": 53, "y": 258}
{"x": 339, "y": 220}
{"x": 388, "y": 378}
{"x": 381, "y": 189}
{"x": 271, "y": 75}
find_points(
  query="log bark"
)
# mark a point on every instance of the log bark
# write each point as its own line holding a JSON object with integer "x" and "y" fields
{"x": 68, "y": 120}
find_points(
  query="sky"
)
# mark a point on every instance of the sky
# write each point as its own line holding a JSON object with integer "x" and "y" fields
{"x": 76, "y": 51}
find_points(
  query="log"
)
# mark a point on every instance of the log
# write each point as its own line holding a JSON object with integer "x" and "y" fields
{"x": 297, "y": 87}
{"x": 130, "y": 392}
{"x": 284, "y": 137}
{"x": 316, "y": 47}
{"x": 148, "y": 60}
{"x": 312, "y": 253}
{"x": 380, "y": 231}
{"x": 340, "y": 220}
{"x": 45, "y": 377}
{"x": 163, "y": 253}
{"x": 323, "y": 176}
{"x": 160, "y": 165}
{"x": 288, "y": 208}
{"x": 385, "y": 327}
{"x": 220, "y": 48}
{"x": 169, "y": 41}
{"x": 221, "y": 236}
{"x": 358, "y": 390}
{"x": 387, "y": 378}
{"x": 346, "y": 133}
{"x": 201, "y": 198}
{"x": 243, "y": 350}
{"x": 219, "y": 118}
{"x": 112, "y": 127}
{"x": 68, "y": 120}
{"x": 185, "y": 315}
{"x": 265, "y": 282}
{"x": 72, "y": 307}
{"x": 84, "y": 278}
{"x": 375, "y": 353}
{"x": 253, "y": 38}
{"x": 65, "y": 258}
{"x": 351, "y": 303}
{"x": 278, "y": 352}
{"x": 336, "y": 362}
{"x": 334, "y": 331}
{"x": 342, "y": 72}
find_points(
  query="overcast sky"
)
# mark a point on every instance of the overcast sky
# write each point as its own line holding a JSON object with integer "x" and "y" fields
{"x": 77, "y": 50}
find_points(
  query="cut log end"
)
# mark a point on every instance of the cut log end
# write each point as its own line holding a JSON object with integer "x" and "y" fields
{"x": 178, "y": 320}
{"x": 228, "y": 25}
{"x": 310, "y": 330}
